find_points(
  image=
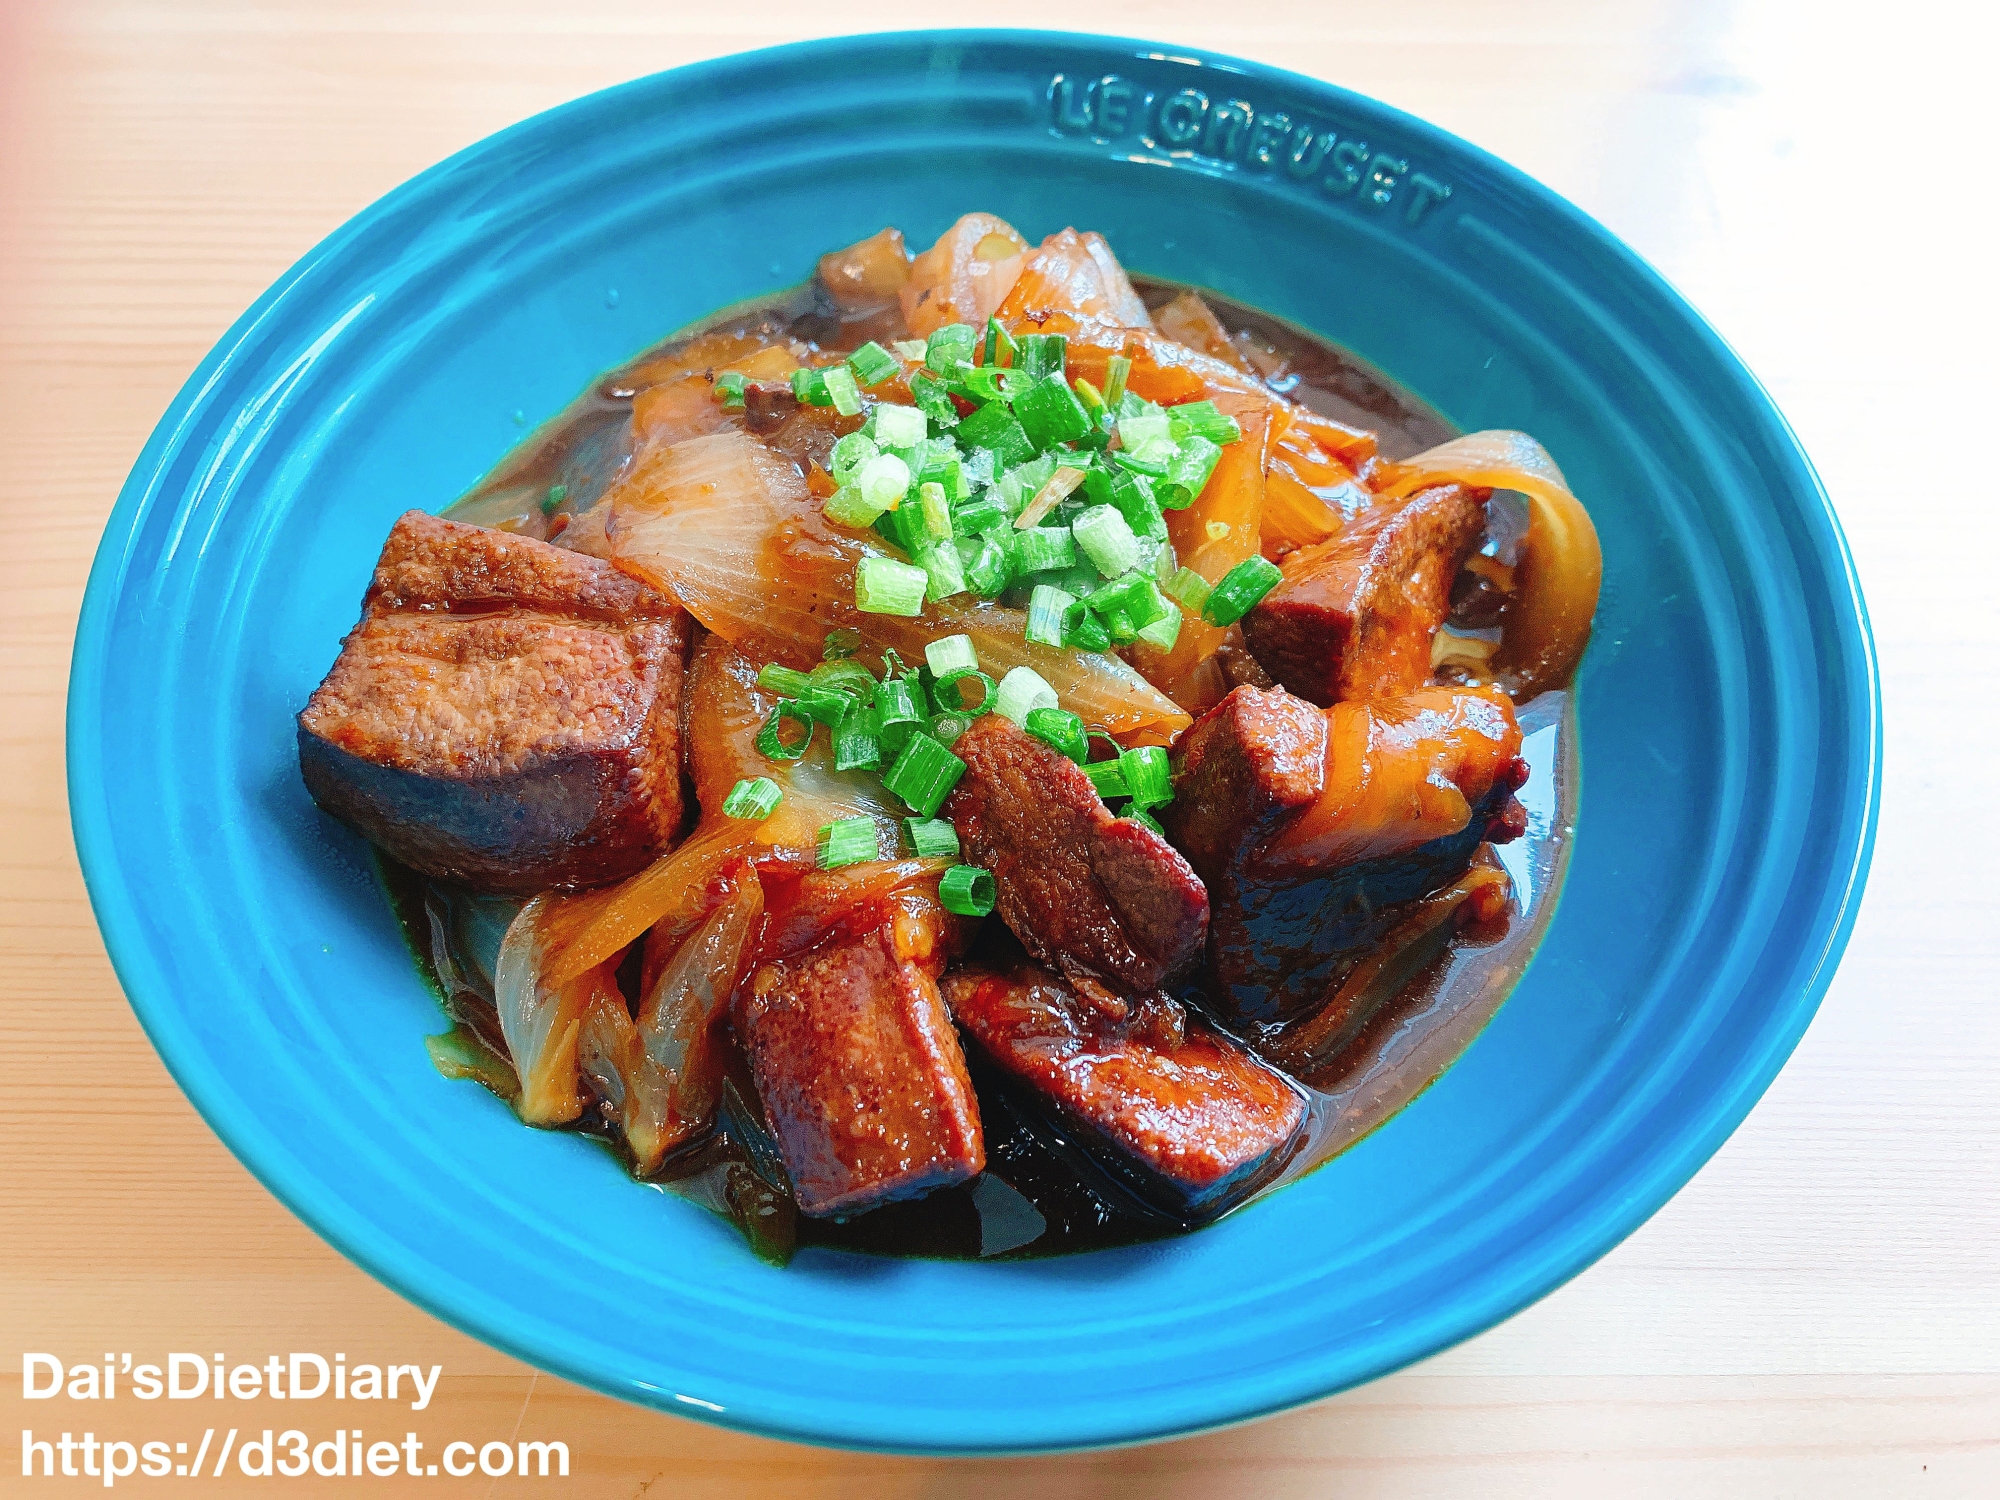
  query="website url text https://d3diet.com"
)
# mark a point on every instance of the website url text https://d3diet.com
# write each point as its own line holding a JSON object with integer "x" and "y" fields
{"x": 258, "y": 1451}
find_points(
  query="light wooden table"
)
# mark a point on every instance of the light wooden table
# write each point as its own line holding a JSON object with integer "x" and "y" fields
{"x": 1818, "y": 1313}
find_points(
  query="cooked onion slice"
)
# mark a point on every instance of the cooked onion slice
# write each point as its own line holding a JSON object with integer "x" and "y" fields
{"x": 1561, "y": 565}
{"x": 541, "y": 1020}
{"x": 965, "y": 276}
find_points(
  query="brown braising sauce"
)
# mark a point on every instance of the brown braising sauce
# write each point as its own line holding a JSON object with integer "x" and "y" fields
{"x": 1041, "y": 1194}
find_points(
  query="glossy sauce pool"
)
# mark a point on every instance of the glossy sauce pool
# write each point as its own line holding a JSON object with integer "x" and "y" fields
{"x": 1040, "y": 1194}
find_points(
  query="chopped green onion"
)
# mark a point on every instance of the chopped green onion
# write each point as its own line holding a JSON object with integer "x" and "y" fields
{"x": 1050, "y": 413}
{"x": 848, "y": 456}
{"x": 824, "y": 706}
{"x": 992, "y": 383}
{"x": 839, "y": 645}
{"x": 555, "y": 497}
{"x": 933, "y": 401}
{"x": 883, "y": 586}
{"x": 1040, "y": 354}
{"x": 1240, "y": 589}
{"x": 753, "y": 797}
{"x": 950, "y": 653}
{"x": 988, "y": 567}
{"x": 872, "y": 364}
{"x": 912, "y": 348}
{"x": 981, "y": 466}
{"x": 944, "y": 573}
{"x": 844, "y": 676}
{"x": 950, "y": 692}
{"x": 846, "y": 841}
{"x": 1150, "y": 468}
{"x": 883, "y": 481}
{"x": 729, "y": 387}
{"x": 967, "y": 890}
{"x": 849, "y": 507}
{"x": 936, "y": 511}
{"x": 783, "y": 681}
{"x": 1108, "y": 777}
{"x": 944, "y": 468}
{"x": 1107, "y": 540}
{"x": 1132, "y": 594}
{"x": 1059, "y": 729}
{"x": 855, "y": 746}
{"x": 1187, "y": 588}
{"x": 1136, "y": 432}
{"x": 1042, "y": 547}
{"x": 1022, "y": 691}
{"x": 1145, "y": 819}
{"x": 946, "y": 728}
{"x": 932, "y": 838}
{"x": 983, "y": 514}
{"x": 1061, "y": 485}
{"x": 1188, "y": 471}
{"x": 1046, "y": 607}
{"x": 999, "y": 342}
{"x": 923, "y": 774}
{"x": 1148, "y": 777}
{"x": 951, "y": 345}
{"x": 1116, "y": 371}
{"x": 1204, "y": 420}
{"x": 898, "y": 426}
{"x": 771, "y": 738}
{"x": 1087, "y": 394}
{"x": 842, "y": 391}
{"x": 1083, "y": 631}
{"x": 993, "y": 427}
{"x": 809, "y": 387}
{"x": 1164, "y": 631}
{"x": 899, "y": 708}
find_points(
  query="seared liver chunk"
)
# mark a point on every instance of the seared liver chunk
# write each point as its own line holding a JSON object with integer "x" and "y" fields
{"x": 1105, "y": 900}
{"x": 1190, "y": 1121}
{"x": 1306, "y": 823}
{"x": 858, "y": 1067}
{"x": 506, "y": 714}
{"x": 1354, "y": 615}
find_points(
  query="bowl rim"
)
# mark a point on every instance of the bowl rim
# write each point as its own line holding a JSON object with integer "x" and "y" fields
{"x": 117, "y": 911}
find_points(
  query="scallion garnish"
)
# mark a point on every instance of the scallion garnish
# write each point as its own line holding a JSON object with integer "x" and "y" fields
{"x": 951, "y": 345}
{"x": 946, "y": 728}
{"x": 729, "y": 388}
{"x": 846, "y": 841}
{"x": 1108, "y": 778}
{"x": 1164, "y": 631}
{"x": 988, "y": 568}
{"x": 993, "y": 427}
{"x": 855, "y": 745}
{"x": 1240, "y": 589}
{"x": 1041, "y": 548}
{"x": 755, "y": 797}
{"x": 1061, "y": 730}
{"x": 1204, "y": 420}
{"x": 1107, "y": 540}
{"x": 841, "y": 390}
{"x": 1187, "y": 472}
{"x": 950, "y": 653}
{"x": 1046, "y": 608}
{"x": 872, "y": 364}
{"x": 899, "y": 708}
{"x": 936, "y": 511}
{"x": 932, "y": 838}
{"x": 933, "y": 401}
{"x": 771, "y": 738}
{"x": 898, "y": 426}
{"x": 555, "y": 497}
{"x": 950, "y": 692}
{"x": 1060, "y": 486}
{"x": 844, "y": 676}
{"x": 981, "y": 515}
{"x": 1148, "y": 776}
{"x": 783, "y": 681}
{"x": 1022, "y": 691}
{"x": 1088, "y": 395}
{"x": 1000, "y": 346}
{"x": 1116, "y": 370}
{"x": 1083, "y": 631}
{"x": 944, "y": 572}
{"x": 883, "y": 480}
{"x": 912, "y": 348}
{"x": 1050, "y": 413}
{"x": 1187, "y": 588}
{"x": 924, "y": 773}
{"x": 967, "y": 890}
{"x": 883, "y": 586}
{"x": 809, "y": 387}
{"x": 1133, "y": 595}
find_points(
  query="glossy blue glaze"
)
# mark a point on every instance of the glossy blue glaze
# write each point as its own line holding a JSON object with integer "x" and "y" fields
{"x": 1729, "y": 724}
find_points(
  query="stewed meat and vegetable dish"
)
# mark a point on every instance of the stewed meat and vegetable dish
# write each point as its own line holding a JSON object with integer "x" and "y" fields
{"x": 973, "y": 755}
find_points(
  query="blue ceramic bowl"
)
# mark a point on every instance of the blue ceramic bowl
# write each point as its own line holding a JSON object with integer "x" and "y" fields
{"x": 1729, "y": 729}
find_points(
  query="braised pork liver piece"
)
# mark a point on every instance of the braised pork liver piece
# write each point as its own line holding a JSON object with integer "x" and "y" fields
{"x": 1183, "y": 1115}
{"x": 1353, "y": 616}
{"x": 858, "y": 1067}
{"x": 1305, "y": 824}
{"x": 506, "y": 715}
{"x": 1105, "y": 900}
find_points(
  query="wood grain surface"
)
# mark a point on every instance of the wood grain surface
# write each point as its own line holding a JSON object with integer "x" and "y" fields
{"x": 1818, "y": 1313}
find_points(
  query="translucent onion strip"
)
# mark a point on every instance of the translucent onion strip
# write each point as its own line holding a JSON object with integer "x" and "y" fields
{"x": 1561, "y": 565}
{"x": 541, "y": 1021}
